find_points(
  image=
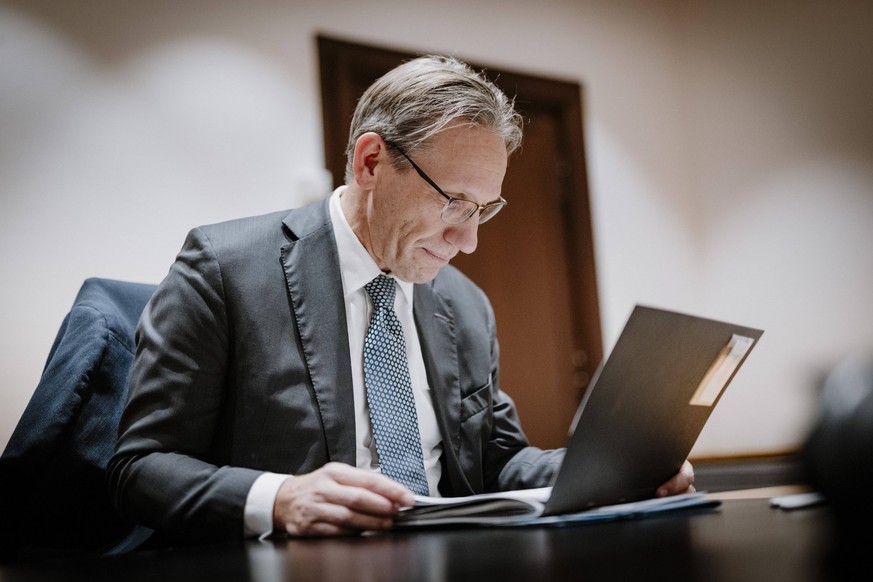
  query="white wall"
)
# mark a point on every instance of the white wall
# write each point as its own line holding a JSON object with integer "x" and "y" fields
{"x": 729, "y": 151}
{"x": 779, "y": 99}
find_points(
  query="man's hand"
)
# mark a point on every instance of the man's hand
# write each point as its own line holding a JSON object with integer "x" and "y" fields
{"x": 681, "y": 482}
{"x": 338, "y": 499}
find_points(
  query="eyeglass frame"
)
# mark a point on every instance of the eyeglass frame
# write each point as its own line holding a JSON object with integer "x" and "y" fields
{"x": 499, "y": 203}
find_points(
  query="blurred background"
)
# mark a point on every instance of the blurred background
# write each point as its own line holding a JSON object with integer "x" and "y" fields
{"x": 729, "y": 149}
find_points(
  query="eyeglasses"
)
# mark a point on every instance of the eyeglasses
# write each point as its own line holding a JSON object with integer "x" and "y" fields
{"x": 456, "y": 210}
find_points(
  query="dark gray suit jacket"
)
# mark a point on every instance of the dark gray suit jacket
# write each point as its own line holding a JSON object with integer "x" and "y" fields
{"x": 243, "y": 366}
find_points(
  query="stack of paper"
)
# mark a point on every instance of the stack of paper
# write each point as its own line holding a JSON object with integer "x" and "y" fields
{"x": 525, "y": 507}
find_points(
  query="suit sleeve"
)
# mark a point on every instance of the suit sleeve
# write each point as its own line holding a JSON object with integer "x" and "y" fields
{"x": 167, "y": 472}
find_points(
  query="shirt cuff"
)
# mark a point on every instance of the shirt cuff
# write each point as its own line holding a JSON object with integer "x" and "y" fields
{"x": 258, "y": 513}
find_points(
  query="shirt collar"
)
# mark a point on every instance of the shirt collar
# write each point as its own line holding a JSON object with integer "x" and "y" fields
{"x": 356, "y": 265}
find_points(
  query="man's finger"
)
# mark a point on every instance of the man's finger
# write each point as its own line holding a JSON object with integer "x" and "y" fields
{"x": 375, "y": 482}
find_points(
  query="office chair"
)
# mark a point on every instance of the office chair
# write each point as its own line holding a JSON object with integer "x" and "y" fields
{"x": 838, "y": 455}
{"x": 53, "y": 496}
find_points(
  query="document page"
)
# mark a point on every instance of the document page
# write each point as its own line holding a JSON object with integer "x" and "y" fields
{"x": 525, "y": 507}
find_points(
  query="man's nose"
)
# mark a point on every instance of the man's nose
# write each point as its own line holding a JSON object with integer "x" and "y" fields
{"x": 465, "y": 236}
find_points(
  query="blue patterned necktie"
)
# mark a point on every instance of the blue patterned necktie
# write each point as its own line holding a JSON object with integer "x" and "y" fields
{"x": 389, "y": 391}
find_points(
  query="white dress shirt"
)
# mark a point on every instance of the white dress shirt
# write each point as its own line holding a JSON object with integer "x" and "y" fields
{"x": 358, "y": 269}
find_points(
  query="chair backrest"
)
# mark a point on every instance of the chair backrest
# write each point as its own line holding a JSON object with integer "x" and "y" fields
{"x": 53, "y": 495}
{"x": 838, "y": 451}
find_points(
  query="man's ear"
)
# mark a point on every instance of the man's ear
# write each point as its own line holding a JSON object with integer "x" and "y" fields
{"x": 370, "y": 152}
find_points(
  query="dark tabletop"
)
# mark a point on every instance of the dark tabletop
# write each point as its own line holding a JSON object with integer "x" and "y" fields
{"x": 743, "y": 539}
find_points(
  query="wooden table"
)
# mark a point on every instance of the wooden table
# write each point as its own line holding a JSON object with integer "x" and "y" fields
{"x": 743, "y": 540}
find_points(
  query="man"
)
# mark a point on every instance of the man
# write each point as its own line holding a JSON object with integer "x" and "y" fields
{"x": 255, "y": 400}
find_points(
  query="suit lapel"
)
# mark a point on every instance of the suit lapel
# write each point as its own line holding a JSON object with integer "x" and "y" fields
{"x": 311, "y": 264}
{"x": 436, "y": 330}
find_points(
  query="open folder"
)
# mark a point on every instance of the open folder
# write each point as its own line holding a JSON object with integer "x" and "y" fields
{"x": 636, "y": 424}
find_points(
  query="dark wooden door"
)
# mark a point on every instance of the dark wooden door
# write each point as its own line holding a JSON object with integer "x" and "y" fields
{"x": 536, "y": 260}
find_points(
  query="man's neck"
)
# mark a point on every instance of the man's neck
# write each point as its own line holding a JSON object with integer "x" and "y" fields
{"x": 353, "y": 202}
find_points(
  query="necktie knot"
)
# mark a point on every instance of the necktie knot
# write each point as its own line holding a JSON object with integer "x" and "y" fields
{"x": 381, "y": 292}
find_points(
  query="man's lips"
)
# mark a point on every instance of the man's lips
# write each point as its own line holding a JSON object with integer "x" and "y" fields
{"x": 440, "y": 257}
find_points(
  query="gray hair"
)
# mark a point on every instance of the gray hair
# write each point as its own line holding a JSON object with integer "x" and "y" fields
{"x": 417, "y": 100}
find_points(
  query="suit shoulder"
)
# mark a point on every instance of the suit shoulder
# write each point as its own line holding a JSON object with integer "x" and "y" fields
{"x": 451, "y": 282}
{"x": 240, "y": 226}
{"x": 237, "y": 240}
{"x": 284, "y": 224}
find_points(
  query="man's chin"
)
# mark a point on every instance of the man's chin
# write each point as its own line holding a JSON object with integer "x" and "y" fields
{"x": 418, "y": 276}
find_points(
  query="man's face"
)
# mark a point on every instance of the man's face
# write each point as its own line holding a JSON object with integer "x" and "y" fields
{"x": 407, "y": 236}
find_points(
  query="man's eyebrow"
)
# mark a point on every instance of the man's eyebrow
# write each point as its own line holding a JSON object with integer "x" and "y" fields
{"x": 462, "y": 196}
{"x": 495, "y": 201}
